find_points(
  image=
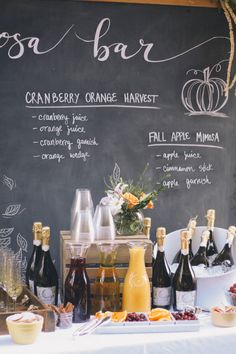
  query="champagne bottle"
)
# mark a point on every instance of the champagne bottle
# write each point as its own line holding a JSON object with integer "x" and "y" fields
{"x": 211, "y": 250}
{"x": 225, "y": 254}
{"x": 191, "y": 227}
{"x": 161, "y": 277}
{"x": 35, "y": 256}
{"x": 184, "y": 281}
{"x": 46, "y": 278}
{"x": 200, "y": 257}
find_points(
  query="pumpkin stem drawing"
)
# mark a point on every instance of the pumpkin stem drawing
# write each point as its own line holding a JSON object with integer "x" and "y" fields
{"x": 205, "y": 95}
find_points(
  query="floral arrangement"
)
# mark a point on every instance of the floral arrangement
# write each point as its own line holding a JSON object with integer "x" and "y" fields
{"x": 126, "y": 199}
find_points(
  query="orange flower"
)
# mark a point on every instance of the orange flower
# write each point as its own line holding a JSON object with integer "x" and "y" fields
{"x": 150, "y": 205}
{"x": 131, "y": 199}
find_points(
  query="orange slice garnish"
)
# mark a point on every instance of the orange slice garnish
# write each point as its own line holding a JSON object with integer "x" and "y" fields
{"x": 119, "y": 316}
{"x": 159, "y": 314}
{"x": 99, "y": 315}
{"x": 160, "y": 318}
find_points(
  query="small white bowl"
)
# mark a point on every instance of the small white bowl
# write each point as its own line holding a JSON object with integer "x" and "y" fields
{"x": 24, "y": 332}
{"x": 223, "y": 319}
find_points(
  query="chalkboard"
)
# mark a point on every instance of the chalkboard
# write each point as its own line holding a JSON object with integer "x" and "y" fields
{"x": 87, "y": 85}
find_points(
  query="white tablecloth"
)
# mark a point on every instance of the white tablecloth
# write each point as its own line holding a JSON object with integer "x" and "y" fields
{"x": 208, "y": 340}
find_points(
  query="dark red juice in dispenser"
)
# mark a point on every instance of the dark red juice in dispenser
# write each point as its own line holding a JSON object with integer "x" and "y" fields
{"x": 77, "y": 285}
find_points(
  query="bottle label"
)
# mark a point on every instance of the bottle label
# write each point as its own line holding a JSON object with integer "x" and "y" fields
{"x": 36, "y": 242}
{"x": 46, "y": 295}
{"x": 31, "y": 285}
{"x": 184, "y": 299}
{"x": 161, "y": 296}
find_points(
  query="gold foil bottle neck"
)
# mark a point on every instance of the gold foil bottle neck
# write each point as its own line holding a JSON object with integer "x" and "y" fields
{"x": 230, "y": 235}
{"x": 192, "y": 226}
{"x": 205, "y": 236}
{"x": 37, "y": 230}
{"x": 210, "y": 218}
{"x": 184, "y": 235}
{"x": 37, "y": 226}
{"x": 45, "y": 235}
{"x": 147, "y": 222}
{"x": 211, "y": 214}
{"x": 232, "y": 230}
{"x": 192, "y": 223}
{"x": 160, "y": 236}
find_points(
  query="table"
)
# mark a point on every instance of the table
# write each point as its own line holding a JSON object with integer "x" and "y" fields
{"x": 208, "y": 340}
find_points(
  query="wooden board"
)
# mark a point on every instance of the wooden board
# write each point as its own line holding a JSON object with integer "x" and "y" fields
{"x": 48, "y": 315}
{"x": 197, "y": 3}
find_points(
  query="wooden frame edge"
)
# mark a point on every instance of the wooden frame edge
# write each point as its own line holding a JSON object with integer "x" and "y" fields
{"x": 195, "y": 3}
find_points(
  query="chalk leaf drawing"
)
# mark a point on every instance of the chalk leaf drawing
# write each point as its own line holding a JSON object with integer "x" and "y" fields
{"x": 205, "y": 95}
{"x": 23, "y": 268}
{"x": 18, "y": 255}
{"x": 6, "y": 232}
{"x": 22, "y": 243}
{"x": 12, "y": 210}
{"x": 5, "y": 242}
{"x": 24, "y": 264}
{"x": 9, "y": 182}
{"x": 116, "y": 174}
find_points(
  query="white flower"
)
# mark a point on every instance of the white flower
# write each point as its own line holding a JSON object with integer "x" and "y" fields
{"x": 120, "y": 187}
{"x": 114, "y": 202}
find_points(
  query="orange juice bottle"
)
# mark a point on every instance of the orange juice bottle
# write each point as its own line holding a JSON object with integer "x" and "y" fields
{"x": 136, "y": 291}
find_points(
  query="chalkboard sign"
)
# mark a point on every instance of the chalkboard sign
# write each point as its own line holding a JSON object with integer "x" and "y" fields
{"x": 87, "y": 85}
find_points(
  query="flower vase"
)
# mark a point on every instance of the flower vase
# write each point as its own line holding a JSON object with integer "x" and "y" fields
{"x": 129, "y": 223}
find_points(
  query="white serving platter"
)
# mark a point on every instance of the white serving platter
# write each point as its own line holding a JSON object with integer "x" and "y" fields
{"x": 149, "y": 327}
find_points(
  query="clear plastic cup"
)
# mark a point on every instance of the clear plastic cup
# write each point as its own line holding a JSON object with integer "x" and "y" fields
{"x": 104, "y": 224}
{"x": 65, "y": 320}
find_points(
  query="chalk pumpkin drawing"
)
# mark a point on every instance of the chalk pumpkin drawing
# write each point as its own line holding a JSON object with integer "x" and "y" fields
{"x": 205, "y": 95}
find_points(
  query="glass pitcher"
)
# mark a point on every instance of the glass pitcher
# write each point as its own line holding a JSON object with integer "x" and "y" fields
{"x": 136, "y": 291}
{"x": 107, "y": 285}
{"x": 77, "y": 284}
